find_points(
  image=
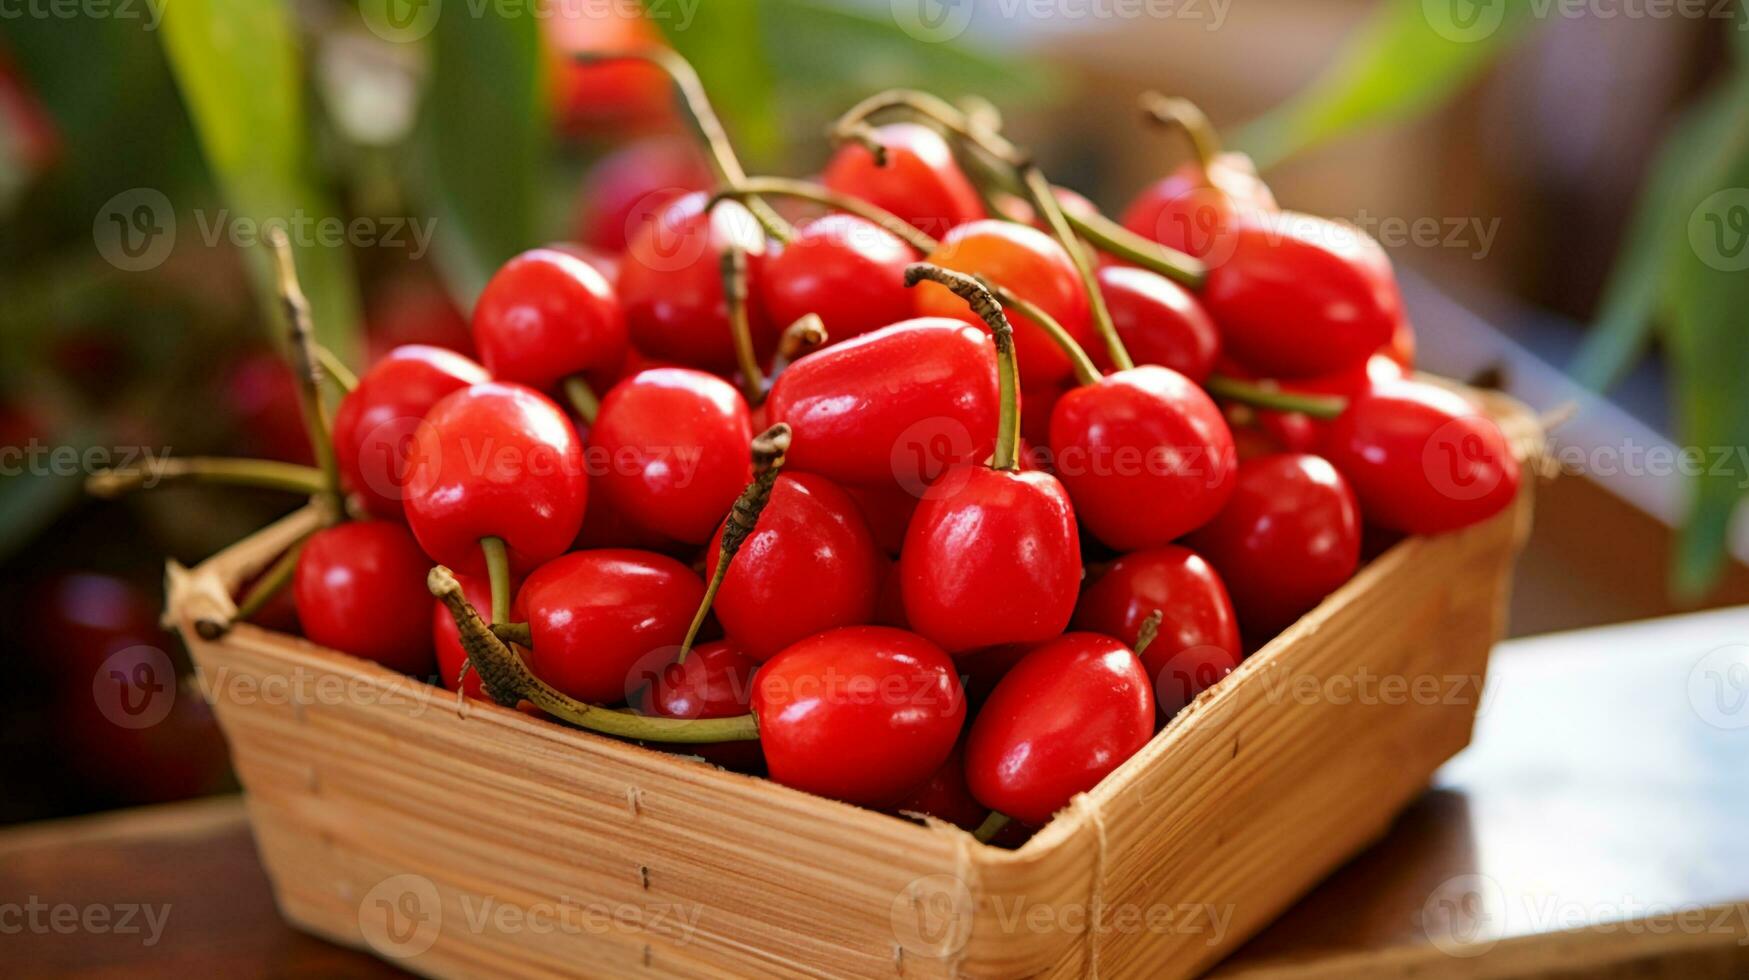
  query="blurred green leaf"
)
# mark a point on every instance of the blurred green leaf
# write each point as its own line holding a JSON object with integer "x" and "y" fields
{"x": 30, "y": 503}
{"x": 487, "y": 130}
{"x": 1707, "y": 291}
{"x": 1631, "y": 300}
{"x": 1407, "y": 58}
{"x": 238, "y": 67}
{"x": 723, "y": 43}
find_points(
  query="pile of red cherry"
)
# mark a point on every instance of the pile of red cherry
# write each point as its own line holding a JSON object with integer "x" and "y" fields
{"x": 970, "y": 568}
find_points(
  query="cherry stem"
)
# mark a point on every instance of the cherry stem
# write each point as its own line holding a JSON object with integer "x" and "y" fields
{"x": 799, "y": 339}
{"x": 697, "y": 104}
{"x": 518, "y": 633}
{"x": 306, "y": 364}
{"x": 259, "y": 473}
{"x": 509, "y": 682}
{"x": 498, "y": 573}
{"x": 734, "y": 271}
{"x": 582, "y": 398}
{"x": 1269, "y": 397}
{"x": 1184, "y": 115}
{"x": 977, "y": 133}
{"x": 991, "y": 826}
{"x": 1109, "y": 236}
{"x": 336, "y": 369}
{"x": 1149, "y": 631}
{"x": 769, "y": 449}
{"x": 985, "y": 305}
{"x": 271, "y": 583}
{"x": 802, "y": 190}
{"x": 1086, "y": 372}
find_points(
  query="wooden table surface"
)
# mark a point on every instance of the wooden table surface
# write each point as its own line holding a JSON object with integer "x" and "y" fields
{"x": 1599, "y": 826}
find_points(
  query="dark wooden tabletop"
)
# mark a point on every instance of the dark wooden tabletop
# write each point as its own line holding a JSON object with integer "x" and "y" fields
{"x": 1595, "y": 828}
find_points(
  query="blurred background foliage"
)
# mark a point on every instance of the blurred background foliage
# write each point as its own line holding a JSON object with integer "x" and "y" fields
{"x": 474, "y": 127}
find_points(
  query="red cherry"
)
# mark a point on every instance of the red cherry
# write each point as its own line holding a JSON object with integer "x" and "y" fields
{"x": 716, "y": 681}
{"x": 809, "y": 566}
{"x": 260, "y": 397}
{"x": 1289, "y": 537}
{"x": 413, "y": 309}
{"x": 991, "y": 556}
{"x": 887, "y": 511}
{"x": 1159, "y": 321}
{"x": 450, "y": 655}
{"x": 1032, "y": 265}
{"x": 1146, "y": 455}
{"x": 920, "y": 182}
{"x": 1067, "y": 714}
{"x": 376, "y": 421}
{"x": 669, "y": 451}
{"x": 848, "y": 270}
{"x": 548, "y": 315}
{"x": 596, "y": 618}
{"x": 896, "y": 405}
{"x": 1192, "y": 209}
{"x": 1297, "y": 432}
{"x": 614, "y": 96}
{"x": 945, "y": 796}
{"x": 360, "y": 589}
{"x": 1422, "y": 459}
{"x": 628, "y": 187}
{"x": 1301, "y": 296}
{"x": 861, "y": 714}
{"x": 1198, "y": 643}
{"x": 495, "y": 460}
{"x": 671, "y": 284}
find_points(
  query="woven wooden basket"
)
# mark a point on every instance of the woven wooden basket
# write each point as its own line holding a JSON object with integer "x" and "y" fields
{"x": 462, "y": 839}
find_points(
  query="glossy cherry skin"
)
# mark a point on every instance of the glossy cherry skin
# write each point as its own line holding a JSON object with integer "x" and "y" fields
{"x": 849, "y": 271}
{"x": 495, "y": 460}
{"x": 861, "y": 714}
{"x": 627, "y": 188}
{"x": 1300, "y": 296}
{"x": 599, "y": 619}
{"x": 1036, "y": 268}
{"x": 669, "y": 451}
{"x": 810, "y": 565}
{"x": 671, "y": 284}
{"x": 547, "y": 315}
{"x": 375, "y": 423}
{"x": 1191, "y": 209}
{"x": 991, "y": 557}
{"x": 1296, "y": 432}
{"x": 610, "y": 97}
{"x": 945, "y": 796}
{"x": 716, "y": 681}
{"x": 360, "y": 589}
{"x": 1422, "y": 459}
{"x": 896, "y": 406}
{"x": 1067, "y": 714}
{"x": 1289, "y": 537}
{"x": 1145, "y": 454}
{"x": 920, "y": 182}
{"x": 1159, "y": 321}
{"x": 1198, "y": 643}
{"x": 447, "y": 639}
